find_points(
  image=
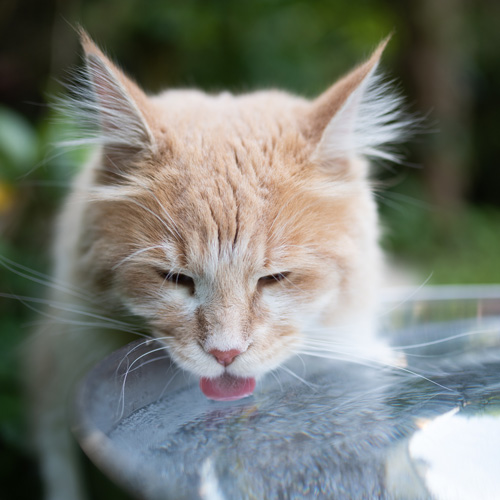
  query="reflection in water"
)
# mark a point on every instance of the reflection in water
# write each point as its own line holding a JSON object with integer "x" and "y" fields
{"x": 352, "y": 431}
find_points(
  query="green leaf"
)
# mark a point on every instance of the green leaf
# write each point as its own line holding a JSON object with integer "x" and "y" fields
{"x": 18, "y": 144}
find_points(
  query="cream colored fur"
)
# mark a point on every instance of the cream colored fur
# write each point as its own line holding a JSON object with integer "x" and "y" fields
{"x": 225, "y": 190}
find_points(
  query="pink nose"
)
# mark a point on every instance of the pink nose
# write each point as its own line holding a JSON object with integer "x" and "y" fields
{"x": 225, "y": 357}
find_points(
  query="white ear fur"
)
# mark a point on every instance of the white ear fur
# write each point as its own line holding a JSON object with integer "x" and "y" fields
{"x": 104, "y": 108}
{"x": 121, "y": 121}
{"x": 359, "y": 116}
{"x": 368, "y": 124}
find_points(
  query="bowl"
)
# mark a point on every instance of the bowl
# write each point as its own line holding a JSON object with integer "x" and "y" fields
{"x": 425, "y": 427}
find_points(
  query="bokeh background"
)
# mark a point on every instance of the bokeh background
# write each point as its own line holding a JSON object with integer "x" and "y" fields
{"x": 441, "y": 209}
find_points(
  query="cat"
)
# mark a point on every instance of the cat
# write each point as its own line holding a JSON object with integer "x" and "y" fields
{"x": 239, "y": 229}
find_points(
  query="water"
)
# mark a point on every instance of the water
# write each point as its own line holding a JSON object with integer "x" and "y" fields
{"x": 345, "y": 432}
{"x": 289, "y": 439}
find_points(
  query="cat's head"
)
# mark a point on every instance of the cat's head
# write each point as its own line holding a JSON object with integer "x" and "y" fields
{"x": 234, "y": 224}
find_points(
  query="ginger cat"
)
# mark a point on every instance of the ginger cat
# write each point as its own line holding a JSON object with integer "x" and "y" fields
{"x": 238, "y": 228}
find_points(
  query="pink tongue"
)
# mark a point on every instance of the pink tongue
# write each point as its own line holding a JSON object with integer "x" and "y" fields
{"x": 227, "y": 387}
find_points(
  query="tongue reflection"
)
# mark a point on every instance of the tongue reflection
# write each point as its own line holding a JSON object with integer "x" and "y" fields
{"x": 227, "y": 387}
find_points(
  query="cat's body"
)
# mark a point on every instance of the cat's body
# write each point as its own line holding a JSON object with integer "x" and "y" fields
{"x": 238, "y": 228}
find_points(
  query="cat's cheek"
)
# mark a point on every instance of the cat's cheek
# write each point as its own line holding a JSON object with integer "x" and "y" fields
{"x": 278, "y": 304}
{"x": 312, "y": 315}
{"x": 299, "y": 310}
{"x": 142, "y": 309}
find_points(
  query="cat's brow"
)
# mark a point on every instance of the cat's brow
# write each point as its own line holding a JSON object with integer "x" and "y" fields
{"x": 137, "y": 253}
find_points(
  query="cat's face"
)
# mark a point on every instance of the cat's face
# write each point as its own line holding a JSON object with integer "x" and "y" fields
{"x": 227, "y": 222}
{"x": 234, "y": 243}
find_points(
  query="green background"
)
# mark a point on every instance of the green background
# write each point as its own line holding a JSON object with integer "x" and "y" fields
{"x": 440, "y": 209}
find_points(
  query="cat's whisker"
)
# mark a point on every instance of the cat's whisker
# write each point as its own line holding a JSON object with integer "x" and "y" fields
{"x": 390, "y": 203}
{"x": 42, "y": 279}
{"x": 410, "y": 200}
{"x": 149, "y": 340}
{"x": 164, "y": 210}
{"x": 345, "y": 349}
{"x": 138, "y": 182}
{"x": 169, "y": 379}
{"x": 346, "y": 402}
{"x": 332, "y": 345}
{"x": 48, "y": 159}
{"x": 84, "y": 324}
{"x": 397, "y": 201}
{"x": 173, "y": 231}
{"x": 133, "y": 349}
{"x": 274, "y": 270}
{"x": 300, "y": 379}
{"x": 490, "y": 331}
{"x": 129, "y": 369}
{"x": 144, "y": 363}
{"x": 113, "y": 194}
{"x": 375, "y": 362}
{"x": 325, "y": 344}
{"x": 65, "y": 307}
{"x": 407, "y": 298}
{"x": 135, "y": 254}
{"x": 338, "y": 334}
{"x": 275, "y": 375}
{"x": 354, "y": 325}
{"x": 44, "y": 184}
{"x": 302, "y": 361}
{"x": 341, "y": 356}
{"x": 125, "y": 376}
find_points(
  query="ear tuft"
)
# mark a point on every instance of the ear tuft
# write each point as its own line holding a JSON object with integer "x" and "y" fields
{"x": 111, "y": 110}
{"x": 359, "y": 116}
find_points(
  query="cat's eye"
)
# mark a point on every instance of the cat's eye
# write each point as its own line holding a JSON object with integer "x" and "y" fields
{"x": 271, "y": 279}
{"x": 177, "y": 278}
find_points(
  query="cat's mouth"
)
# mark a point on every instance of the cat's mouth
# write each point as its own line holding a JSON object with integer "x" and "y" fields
{"x": 227, "y": 387}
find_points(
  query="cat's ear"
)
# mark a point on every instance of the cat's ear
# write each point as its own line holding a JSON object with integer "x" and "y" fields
{"x": 357, "y": 116}
{"x": 115, "y": 105}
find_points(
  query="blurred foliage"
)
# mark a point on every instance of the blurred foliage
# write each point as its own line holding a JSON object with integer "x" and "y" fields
{"x": 442, "y": 219}
{"x": 446, "y": 246}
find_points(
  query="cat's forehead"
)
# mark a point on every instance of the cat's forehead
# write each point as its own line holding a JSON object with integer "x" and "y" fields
{"x": 258, "y": 114}
{"x": 242, "y": 142}
{"x": 226, "y": 220}
{"x": 232, "y": 177}
{"x": 226, "y": 153}
{"x": 220, "y": 212}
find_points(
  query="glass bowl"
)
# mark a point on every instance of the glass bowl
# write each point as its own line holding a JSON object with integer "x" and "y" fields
{"x": 427, "y": 426}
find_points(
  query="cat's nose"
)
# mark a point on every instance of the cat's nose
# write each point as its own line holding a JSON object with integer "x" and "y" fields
{"x": 225, "y": 357}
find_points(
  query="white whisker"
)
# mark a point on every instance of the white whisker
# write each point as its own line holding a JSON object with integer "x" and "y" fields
{"x": 64, "y": 307}
{"x": 408, "y": 298}
{"x": 129, "y": 370}
{"x": 300, "y": 379}
{"x": 363, "y": 360}
{"x": 275, "y": 375}
{"x": 494, "y": 331}
{"x": 42, "y": 279}
{"x": 135, "y": 254}
{"x": 169, "y": 217}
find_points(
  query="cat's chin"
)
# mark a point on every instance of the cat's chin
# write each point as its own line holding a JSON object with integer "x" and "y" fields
{"x": 227, "y": 387}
